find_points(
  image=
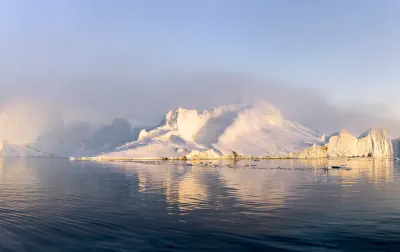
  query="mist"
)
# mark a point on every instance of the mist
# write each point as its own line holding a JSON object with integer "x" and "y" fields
{"x": 98, "y": 62}
{"x": 144, "y": 97}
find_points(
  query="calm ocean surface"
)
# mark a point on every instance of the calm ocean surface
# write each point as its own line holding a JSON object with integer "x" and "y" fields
{"x": 56, "y": 205}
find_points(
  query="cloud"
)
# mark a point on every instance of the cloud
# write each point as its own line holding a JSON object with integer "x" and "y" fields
{"x": 145, "y": 94}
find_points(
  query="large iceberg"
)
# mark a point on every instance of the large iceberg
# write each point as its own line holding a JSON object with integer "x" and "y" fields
{"x": 234, "y": 131}
{"x": 244, "y": 130}
{"x": 372, "y": 143}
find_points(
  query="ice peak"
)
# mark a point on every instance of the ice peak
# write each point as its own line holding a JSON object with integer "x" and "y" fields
{"x": 248, "y": 129}
{"x": 376, "y": 132}
{"x": 344, "y": 132}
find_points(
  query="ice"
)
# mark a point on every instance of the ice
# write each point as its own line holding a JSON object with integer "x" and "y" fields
{"x": 239, "y": 130}
{"x": 372, "y": 143}
{"x": 256, "y": 129}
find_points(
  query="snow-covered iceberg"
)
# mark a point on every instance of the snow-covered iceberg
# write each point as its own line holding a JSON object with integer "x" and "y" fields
{"x": 246, "y": 131}
{"x": 372, "y": 143}
{"x": 256, "y": 130}
{"x": 253, "y": 130}
{"x": 317, "y": 150}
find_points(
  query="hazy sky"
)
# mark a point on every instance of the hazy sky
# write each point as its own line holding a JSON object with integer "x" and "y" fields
{"x": 118, "y": 56}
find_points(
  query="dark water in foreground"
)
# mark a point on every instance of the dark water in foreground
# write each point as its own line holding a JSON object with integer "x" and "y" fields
{"x": 56, "y": 205}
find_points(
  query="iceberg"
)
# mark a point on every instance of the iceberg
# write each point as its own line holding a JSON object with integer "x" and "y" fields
{"x": 315, "y": 151}
{"x": 245, "y": 130}
{"x": 373, "y": 143}
{"x": 256, "y": 130}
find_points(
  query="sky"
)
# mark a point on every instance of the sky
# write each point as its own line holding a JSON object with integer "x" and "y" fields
{"x": 139, "y": 58}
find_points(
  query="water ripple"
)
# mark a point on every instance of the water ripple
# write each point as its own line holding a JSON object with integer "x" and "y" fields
{"x": 55, "y": 205}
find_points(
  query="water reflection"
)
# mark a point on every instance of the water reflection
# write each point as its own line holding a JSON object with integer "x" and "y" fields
{"x": 46, "y": 204}
{"x": 11, "y": 170}
{"x": 262, "y": 187}
{"x": 192, "y": 193}
{"x": 184, "y": 187}
{"x": 254, "y": 187}
{"x": 377, "y": 172}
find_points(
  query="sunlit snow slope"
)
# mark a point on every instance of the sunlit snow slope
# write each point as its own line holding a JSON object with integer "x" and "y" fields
{"x": 248, "y": 130}
{"x": 372, "y": 143}
{"x": 244, "y": 130}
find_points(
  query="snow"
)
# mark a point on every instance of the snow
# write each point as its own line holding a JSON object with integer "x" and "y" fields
{"x": 342, "y": 144}
{"x": 257, "y": 129}
{"x": 315, "y": 151}
{"x": 239, "y": 130}
{"x": 372, "y": 143}
{"x": 208, "y": 154}
{"x": 262, "y": 131}
{"x": 246, "y": 130}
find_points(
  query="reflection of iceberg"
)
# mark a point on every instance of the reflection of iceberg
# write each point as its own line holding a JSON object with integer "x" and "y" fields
{"x": 191, "y": 192}
{"x": 2, "y": 171}
{"x": 257, "y": 190}
{"x": 375, "y": 171}
{"x": 17, "y": 173}
{"x": 181, "y": 186}
{"x": 253, "y": 187}
{"x": 266, "y": 189}
{"x": 184, "y": 187}
{"x": 152, "y": 177}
